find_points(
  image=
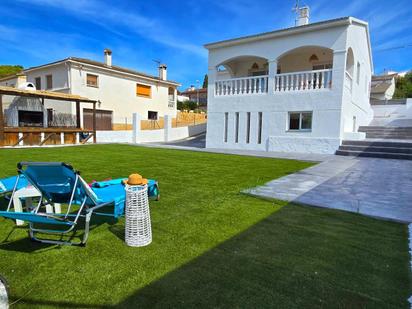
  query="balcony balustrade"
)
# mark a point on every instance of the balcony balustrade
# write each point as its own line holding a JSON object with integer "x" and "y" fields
{"x": 285, "y": 82}
{"x": 242, "y": 86}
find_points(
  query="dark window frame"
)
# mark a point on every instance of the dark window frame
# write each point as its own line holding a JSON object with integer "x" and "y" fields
{"x": 49, "y": 81}
{"x": 248, "y": 116}
{"x": 37, "y": 82}
{"x": 300, "y": 129}
{"x": 260, "y": 125}
{"x": 91, "y": 85}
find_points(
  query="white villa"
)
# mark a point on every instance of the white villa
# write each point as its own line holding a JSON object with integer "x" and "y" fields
{"x": 300, "y": 89}
{"x": 120, "y": 92}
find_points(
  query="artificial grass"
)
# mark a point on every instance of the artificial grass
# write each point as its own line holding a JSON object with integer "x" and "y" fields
{"x": 212, "y": 246}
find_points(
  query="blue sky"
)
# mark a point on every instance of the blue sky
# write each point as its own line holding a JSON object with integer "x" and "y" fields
{"x": 34, "y": 32}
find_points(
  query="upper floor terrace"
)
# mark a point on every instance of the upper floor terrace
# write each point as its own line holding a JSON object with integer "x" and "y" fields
{"x": 303, "y": 69}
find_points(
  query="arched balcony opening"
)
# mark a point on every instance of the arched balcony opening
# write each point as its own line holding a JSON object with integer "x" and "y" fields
{"x": 349, "y": 69}
{"x": 304, "y": 68}
{"x": 242, "y": 75}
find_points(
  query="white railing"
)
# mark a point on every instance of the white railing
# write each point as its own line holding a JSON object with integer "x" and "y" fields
{"x": 303, "y": 81}
{"x": 171, "y": 104}
{"x": 348, "y": 81}
{"x": 242, "y": 86}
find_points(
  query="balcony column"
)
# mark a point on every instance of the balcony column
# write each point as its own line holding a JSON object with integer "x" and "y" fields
{"x": 338, "y": 71}
{"x": 273, "y": 67}
{"x": 211, "y": 75}
{"x": 338, "y": 80}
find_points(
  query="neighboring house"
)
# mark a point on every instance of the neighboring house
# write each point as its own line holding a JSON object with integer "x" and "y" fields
{"x": 383, "y": 87}
{"x": 182, "y": 98}
{"x": 198, "y": 95}
{"x": 300, "y": 89}
{"x": 120, "y": 92}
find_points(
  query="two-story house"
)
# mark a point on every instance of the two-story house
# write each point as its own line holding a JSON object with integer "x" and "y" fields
{"x": 300, "y": 89}
{"x": 120, "y": 92}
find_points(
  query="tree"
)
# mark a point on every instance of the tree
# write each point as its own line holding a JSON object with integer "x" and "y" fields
{"x": 205, "y": 81}
{"x": 6, "y": 70}
{"x": 187, "y": 105}
{"x": 403, "y": 88}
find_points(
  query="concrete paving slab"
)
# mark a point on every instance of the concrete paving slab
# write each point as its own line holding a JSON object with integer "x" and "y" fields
{"x": 379, "y": 188}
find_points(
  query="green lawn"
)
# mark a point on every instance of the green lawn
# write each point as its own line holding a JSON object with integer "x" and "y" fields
{"x": 212, "y": 246}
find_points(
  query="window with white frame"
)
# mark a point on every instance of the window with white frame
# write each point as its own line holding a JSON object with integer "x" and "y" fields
{"x": 358, "y": 73}
{"x": 300, "y": 121}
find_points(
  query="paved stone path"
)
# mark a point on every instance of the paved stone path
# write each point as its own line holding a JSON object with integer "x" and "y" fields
{"x": 375, "y": 187}
{"x": 380, "y": 188}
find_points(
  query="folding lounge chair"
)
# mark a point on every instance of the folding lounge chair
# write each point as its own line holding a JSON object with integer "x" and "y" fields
{"x": 7, "y": 184}
{"x": 60, "y": 183}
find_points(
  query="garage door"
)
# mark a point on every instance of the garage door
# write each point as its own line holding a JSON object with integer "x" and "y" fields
{"x": 103, "y": 119}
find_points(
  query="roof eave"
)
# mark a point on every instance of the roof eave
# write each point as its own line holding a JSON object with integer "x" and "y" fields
{"x": 125, "y": 73}
{"x": 279, "y": 33}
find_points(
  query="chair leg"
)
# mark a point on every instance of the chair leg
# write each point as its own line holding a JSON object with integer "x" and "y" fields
{"x": 33, "y": 237}
{"x": 86, "y": 227}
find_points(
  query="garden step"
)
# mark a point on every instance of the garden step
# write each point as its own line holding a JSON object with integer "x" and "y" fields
{"x": 383, "y": 128}
{"x": 384, "y": 155}
{"x": 376, "y": 149}
{"x": 388, "y": 136}
{"x": 377, "y": 143}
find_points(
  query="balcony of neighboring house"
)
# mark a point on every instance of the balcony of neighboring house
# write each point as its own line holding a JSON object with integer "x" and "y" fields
{"x": 171, "y": 98}
{"x": 303, "y": 69}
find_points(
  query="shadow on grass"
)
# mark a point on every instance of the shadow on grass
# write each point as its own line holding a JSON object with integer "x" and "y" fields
{"x": 118, "y": 231}
{"x": 297, "y": 257}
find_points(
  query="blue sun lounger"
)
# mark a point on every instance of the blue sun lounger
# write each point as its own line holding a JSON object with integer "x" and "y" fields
{"x": 58, "y": 182}
{"x": 7, "y": 184}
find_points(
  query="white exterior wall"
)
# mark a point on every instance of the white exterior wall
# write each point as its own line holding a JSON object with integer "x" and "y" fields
{"x": 60, "y": 83}
{"x": 9, "y": 82}
{"x": 357, "y": 103}
{"x": 117, "y": 93}
{"x": 391, "y": 115}
{"x": 325, "y": 136}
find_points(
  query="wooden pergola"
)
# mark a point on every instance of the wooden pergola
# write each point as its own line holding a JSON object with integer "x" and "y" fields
{"x": 24, "y": 132}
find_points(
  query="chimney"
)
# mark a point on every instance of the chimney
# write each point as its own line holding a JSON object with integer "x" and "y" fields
{"x": 21, "y": 81}
{"x": 162, "y": 71}
{"x": 108, "y": 57}
{"x": 303, "y": 16}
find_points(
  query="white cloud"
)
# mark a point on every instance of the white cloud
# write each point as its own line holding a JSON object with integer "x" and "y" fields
{"x": 41, "y": 44}
{"x": 112, "y": 18}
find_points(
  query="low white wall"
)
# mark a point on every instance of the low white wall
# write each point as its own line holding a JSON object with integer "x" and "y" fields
{"x": 183, "y": 132}
{"x": 395, "y": 115}
{"x": 113, "y": 136}
{"x": 149, "y": 136}
{"x": 303, "y": 144}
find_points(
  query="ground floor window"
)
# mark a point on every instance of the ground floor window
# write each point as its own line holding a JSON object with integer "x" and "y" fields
{"x": 237, "y": 127}
{"x": 152, "y": 115}
{"x": 248, "y": 127}
{"x": 300, "y": 121}
{"x": 226, "y": 126}
{"x": 260, "y": 118}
